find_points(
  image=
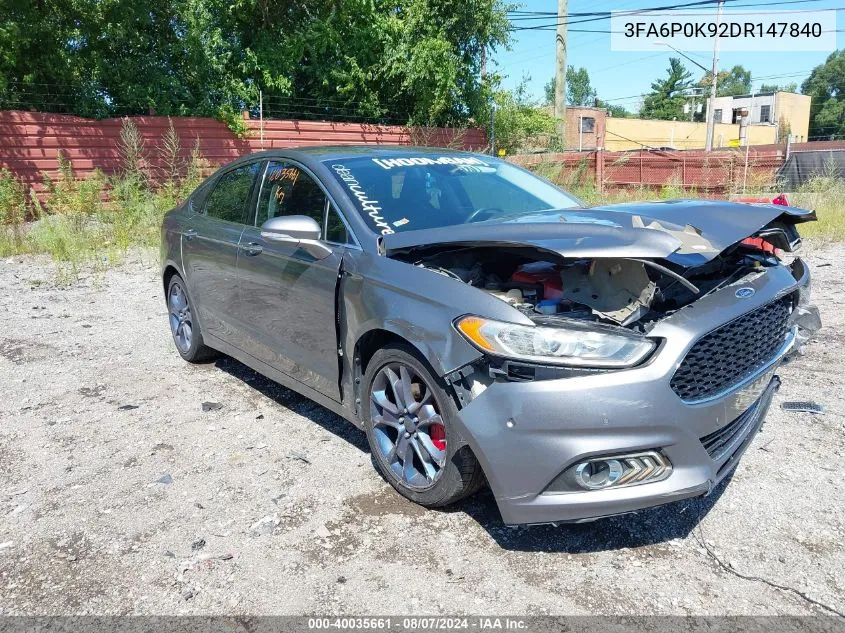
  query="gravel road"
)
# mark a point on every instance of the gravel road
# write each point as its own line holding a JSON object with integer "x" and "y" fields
{"x": 120, "y": 494}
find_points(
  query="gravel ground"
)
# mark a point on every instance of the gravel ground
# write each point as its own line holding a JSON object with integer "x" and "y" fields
{"x": 120, "y": 494}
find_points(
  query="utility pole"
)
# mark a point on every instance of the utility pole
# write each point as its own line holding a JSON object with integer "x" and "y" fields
{"x": 560, "y": 69}
{"x": 493, "y": 128}
{"x": 711, "y": 110}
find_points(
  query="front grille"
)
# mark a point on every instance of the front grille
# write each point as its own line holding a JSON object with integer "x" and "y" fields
{"x": 729, "y": 354}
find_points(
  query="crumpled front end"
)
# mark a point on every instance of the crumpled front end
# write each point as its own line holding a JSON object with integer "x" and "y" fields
{"x": 669, "y": 429}
{"x": 648, "y": 360}
{"x": 807, "y": 317}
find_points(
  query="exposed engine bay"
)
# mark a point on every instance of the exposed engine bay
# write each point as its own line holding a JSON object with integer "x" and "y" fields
{"x": 627, "y": 292}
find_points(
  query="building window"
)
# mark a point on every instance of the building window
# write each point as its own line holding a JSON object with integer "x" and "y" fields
{"x": 588, "y": 125}
{"x": 717, "y": 115}
{"x": 766, "y": 114}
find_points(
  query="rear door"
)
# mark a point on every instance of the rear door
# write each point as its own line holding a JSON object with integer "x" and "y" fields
{"x": 210, "y": 248}
{"x": 287, "y": 296}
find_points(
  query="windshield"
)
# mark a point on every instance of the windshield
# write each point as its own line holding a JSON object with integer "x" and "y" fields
{"x": 407, "y": 193}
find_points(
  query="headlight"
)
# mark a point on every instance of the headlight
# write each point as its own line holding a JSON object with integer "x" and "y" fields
{"x": 571, "y": 346}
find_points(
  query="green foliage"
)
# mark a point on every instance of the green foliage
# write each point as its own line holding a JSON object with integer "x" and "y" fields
{"x": 579, "y": 91}
{"x": 13, "y": 212}
{"x": 13, "y": 207}
{"x": 413, "y": 60}
{"x": 617, "y": 111}
{"x": 76, "y": 228}
{"x": 826, "y": 85}
{"x": 790, "y": 87}
{"x": 666, "y": 100}
{"x": 824, "y": 193}
{"x": 733, "y": 82}
{"x": 522, "y": 124}
{"x": 233, "y": 120}
{"x": 71, "y": 197}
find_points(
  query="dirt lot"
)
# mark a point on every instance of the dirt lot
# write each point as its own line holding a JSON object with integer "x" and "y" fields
{"x": 120, "y": 494}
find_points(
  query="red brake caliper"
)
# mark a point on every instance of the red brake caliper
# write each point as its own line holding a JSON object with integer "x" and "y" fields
{"x": 437, "y": 433}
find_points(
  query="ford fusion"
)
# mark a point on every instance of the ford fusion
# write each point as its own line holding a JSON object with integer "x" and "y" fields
{"x": 484, "y": 327}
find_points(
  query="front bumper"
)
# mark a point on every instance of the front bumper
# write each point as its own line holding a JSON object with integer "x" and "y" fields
{"x": 525, "y": 434}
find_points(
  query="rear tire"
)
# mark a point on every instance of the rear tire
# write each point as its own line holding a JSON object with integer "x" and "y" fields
{"x": 407, "y": 418}
{"x": 184, "y": 326}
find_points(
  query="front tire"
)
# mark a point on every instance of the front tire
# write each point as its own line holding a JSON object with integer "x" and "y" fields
{"x": 407, "y": 420}
{"x": 184, "y": 327}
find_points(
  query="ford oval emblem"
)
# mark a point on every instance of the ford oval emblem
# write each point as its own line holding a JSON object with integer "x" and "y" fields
{"x": 744, "y": 293}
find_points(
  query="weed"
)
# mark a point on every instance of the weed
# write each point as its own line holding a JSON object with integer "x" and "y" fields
{"x": 91, "y": 222}
{"x": 826, "y": 195}
{"x": 132, "y": 151}
{"x": 13, "y": 212}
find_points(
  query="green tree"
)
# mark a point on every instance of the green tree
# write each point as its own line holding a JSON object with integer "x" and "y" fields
{"x": 790, "y": 87}
{"x": 416, "y": 61}
{"x": 520, "y": 122}
{"x": 616, "y": 111}
{"x": 579, "y": 91}
{"x": 826, "y": 85}
{"x": 733, "y": 82}
{"x": 666, "y": 100}
{"x": 549, "y": 91}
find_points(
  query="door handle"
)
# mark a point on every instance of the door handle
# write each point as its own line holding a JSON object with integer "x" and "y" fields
{"x": 190, "y": 234}
{"x": 252, "y": 249}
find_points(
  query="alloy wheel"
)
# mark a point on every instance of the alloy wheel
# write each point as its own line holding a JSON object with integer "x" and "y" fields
{"x": 181, "y": 324}
{"x": 410, "y": 433}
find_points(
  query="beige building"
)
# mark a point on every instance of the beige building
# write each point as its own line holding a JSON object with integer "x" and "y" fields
{"x": 771, "y": 115}
{"x": 627, "y": 134}
{"x": 786, "y": 111}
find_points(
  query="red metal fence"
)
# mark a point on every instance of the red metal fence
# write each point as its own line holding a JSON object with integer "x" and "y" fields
{"x": 30, "y": 142}
{"x": 706, "y": 172}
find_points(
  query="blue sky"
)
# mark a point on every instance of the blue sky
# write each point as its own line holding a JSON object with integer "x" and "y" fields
{"x": 619, "y": 76}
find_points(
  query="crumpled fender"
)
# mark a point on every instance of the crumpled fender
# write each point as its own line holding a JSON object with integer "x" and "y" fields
{"x": 416, "y": 304}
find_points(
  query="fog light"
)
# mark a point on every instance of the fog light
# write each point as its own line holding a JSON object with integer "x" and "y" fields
{"x": 598, "y": 474}
{"x": 622, "y": 470}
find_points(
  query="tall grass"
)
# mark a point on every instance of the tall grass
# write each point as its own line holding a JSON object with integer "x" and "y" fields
{"x": 825, "y": 194}
{"x": 94, "y": 221}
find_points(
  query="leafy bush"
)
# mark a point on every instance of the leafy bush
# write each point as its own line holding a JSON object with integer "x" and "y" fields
{"x": 523, "y": 125}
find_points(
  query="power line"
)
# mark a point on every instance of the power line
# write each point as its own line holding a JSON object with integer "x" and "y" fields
{"x": 535, "y": 15}
{"x": 607, "y": 15}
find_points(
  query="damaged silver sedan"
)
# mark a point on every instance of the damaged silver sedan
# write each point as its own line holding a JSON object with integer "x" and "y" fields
{"x": 484, "y": 327}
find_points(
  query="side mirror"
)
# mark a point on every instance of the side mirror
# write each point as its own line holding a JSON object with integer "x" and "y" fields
{"x": 296, "y": 230}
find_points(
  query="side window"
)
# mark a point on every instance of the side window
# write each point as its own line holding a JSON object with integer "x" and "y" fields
{"x": 288, "y": 190}
{"x": 197, "y": 199}
{"x": 335, "y": 228}
{"x": 229, "y": 199}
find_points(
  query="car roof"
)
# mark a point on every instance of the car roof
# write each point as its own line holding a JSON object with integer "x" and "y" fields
{"x": 342, "y": 152}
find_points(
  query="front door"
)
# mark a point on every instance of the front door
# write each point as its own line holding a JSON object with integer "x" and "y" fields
{"x": 287, "y": 297}
{"x": 210, "y": 247}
